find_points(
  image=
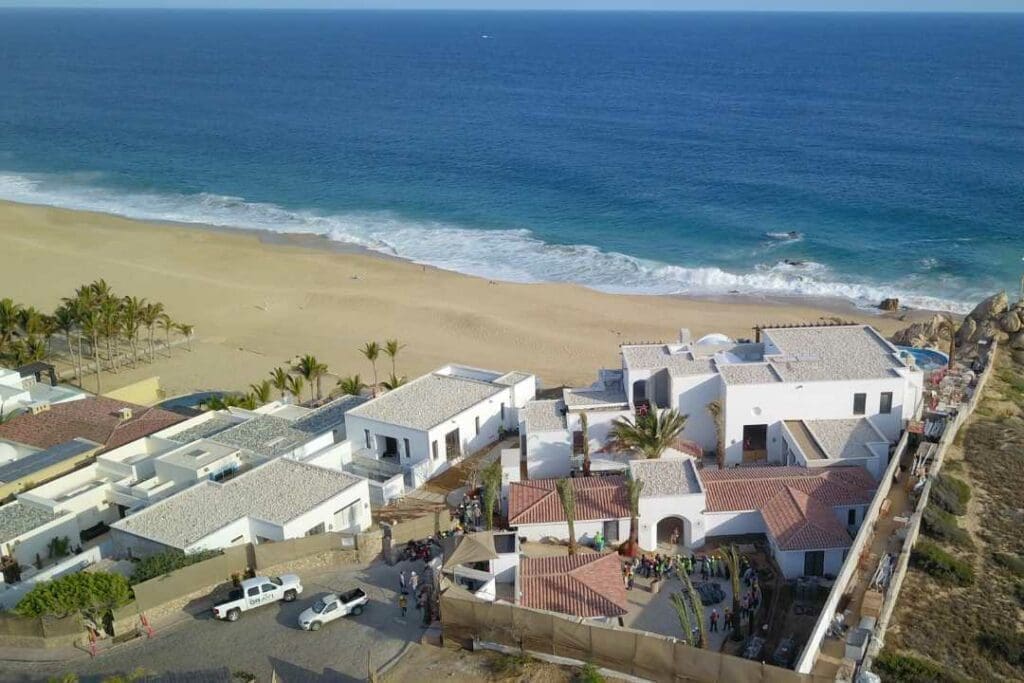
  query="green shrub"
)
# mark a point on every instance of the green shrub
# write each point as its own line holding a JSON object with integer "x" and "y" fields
{"x": 588, "y": 673}
{"x": 950, "y": 494}
{"x": 1008, "y": 645}
{"x": 1015, "y": 563}
{"x": 898, "y": 668}
{"x": 937, "y": 562}
{"x": 87, "y": 592}
{"x": 943, "y": 526}
{"x": 511, "y": 664}
{"x": 166, "y": 562}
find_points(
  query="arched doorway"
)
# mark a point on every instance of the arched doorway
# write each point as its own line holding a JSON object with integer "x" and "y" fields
{"x": 673, "y": 532}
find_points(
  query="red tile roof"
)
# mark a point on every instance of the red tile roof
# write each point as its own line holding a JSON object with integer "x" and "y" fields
{"x": 536, "y": 501}
{"x": 95, "y": 418}
{"x": 796, "y": 503}
{"x": 586, "y": 585}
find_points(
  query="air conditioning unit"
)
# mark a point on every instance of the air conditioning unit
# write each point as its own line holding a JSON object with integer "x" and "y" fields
{"x": 125, "y": 414}
{"x": 38, "y": 407}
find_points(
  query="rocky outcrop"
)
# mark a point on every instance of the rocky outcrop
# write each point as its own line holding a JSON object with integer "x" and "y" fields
{"x": 931, "y": 332}
{"x": 890, "y": 305}
{"x": 994, "y": 319}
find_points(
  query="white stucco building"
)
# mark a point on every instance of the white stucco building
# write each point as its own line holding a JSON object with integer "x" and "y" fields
{"x": 425, "y": 426}
{"x": 23, "y": 393}
{"x": 816, "y": 396}
{"x": 276, "y": 501}
{"x": 601, "y": 505}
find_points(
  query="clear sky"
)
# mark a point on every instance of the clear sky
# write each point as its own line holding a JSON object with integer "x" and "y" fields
{"x": 760, "y": 5}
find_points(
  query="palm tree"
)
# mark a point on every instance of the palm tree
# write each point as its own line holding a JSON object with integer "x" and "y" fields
{"x": 371, "y": 350}
{"x": 732, "y": 560}
{"x": 698, "y": 610}
{"x": 131, "y": 320}
{"x": 633, "y": 489}
{"x": 295, "y": 386}
{"x": 391, "y": 348}
{"x": 187, "y": 331}
{"x": 948, "y": 325}
{"x": 279, "y": 380}
{"x": 150, "y": 315}
{"x": 261, "y": 391}
{"x": 715, "y": 410}
{"x": 680, "y": 602}
{"x": 490, "y": 491}
{"x": 312, "y": 370}
{"x": 352, "y": 385}
{"x": 167, "y": 326}
{"x": 110, "y": 327}
{"x": 91, "y": 322}
{"x": 585, "y": 428}
{"x": 650, "y": 434}
{"x": 65, "y": 319}
{"x": 393, "y": 382}
{"x": 10, "y": 316}
{"x": 565, "y": 494}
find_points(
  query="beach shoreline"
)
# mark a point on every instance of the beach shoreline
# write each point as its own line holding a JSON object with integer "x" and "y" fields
{"x": 259, "y": 298}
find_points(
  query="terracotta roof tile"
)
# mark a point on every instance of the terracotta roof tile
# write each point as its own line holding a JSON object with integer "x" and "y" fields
{"x": 536, "y": 501}
{"x": 587, "y": 585}
{"x": 796, "y": 503}
{"x": 95, "y": 418}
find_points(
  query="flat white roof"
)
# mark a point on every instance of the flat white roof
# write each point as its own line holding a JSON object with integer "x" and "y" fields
{"x": 276, "y": 492}
{"x": 427, "y": 401}
{"x": 544, "y": 415}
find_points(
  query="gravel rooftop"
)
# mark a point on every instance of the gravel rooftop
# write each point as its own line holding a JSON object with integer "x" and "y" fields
{"x": 427, "y": 401}
{"x": 264, "y": 434}
{"x": 845, "y": 438}
{"x": 657, "y": 356}
{"x": 543, "y": 416}
{"x": 582, "y": 398}
{"x": 276, "y": 492}
{"x": 204, "y": 430}
{"x": 748, "y": 373}
{"x": 329, "y": 416}
{"x": 665, "y": 476}
{"x": 17, "y": 518}
{"x": 832, "y": 353}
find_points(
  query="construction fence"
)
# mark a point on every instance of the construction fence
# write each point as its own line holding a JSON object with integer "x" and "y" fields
{"x": 466, "y": 621}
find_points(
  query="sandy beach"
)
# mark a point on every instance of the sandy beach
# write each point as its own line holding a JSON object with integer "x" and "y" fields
{"x": 258, "y": 302}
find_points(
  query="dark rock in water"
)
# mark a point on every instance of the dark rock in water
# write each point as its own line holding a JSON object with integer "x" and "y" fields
{"x": 890, "y": 304}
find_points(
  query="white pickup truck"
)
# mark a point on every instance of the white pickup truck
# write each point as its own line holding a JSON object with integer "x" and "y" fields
{"x": 331, "y": 607}
{"x": 257, "y": 591}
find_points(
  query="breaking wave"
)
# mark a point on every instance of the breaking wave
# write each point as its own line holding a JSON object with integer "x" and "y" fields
{"x": 512, "y": 255}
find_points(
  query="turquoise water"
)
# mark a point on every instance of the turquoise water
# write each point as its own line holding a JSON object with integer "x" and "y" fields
{"x": 859, "y": 156}
{"x": 926, "y": 359}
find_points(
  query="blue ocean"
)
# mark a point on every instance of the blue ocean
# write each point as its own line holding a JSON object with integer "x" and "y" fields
{"x": 851, "y": 155}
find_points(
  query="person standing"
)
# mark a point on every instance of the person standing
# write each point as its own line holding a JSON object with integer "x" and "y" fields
{"x": 714, "y": 620}
{"x": 414, "y": 582}
{"x": 403, "y": 603}
{"x": 401, "y": 583}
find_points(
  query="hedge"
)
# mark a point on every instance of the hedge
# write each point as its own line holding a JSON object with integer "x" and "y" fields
{"x": 86, "y": 592}
{"x": 943, "y": 526}
{"x": 950, "y": 494}
{"x": 937, "y": 562}
{"x": 898, "y": 668}
{"x": 166, "y": 562}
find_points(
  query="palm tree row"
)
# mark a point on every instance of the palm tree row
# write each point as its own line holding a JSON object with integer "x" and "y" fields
{"x": 114, "y": 330}
{"x": 372, "y": 350}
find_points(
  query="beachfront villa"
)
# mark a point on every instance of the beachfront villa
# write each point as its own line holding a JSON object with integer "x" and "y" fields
{"x": 814, "y": 396}
{"x": 807, "y": 420}
{"x": 23, "y": 391}
{"x": 424, "y": 427}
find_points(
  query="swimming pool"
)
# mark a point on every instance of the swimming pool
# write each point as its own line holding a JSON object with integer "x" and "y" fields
{"x": 926, "y": 359}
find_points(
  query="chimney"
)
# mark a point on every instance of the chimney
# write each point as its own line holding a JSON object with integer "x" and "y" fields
{"x": 684, "y": 335}
{"x": 125, "y": 414}
{"x": 39, "y": 407}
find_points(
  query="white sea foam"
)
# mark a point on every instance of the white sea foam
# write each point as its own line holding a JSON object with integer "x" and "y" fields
{"x": 512, "y": 255}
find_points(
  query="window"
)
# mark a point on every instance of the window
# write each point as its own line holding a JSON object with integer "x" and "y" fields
{"x": 859, "y": 403}
{"x": 851, "y": 517}
{"x": 330, "y": 608}
{"x": 885, "y": 405}
{"x": 433, "y": 450}
{"x": 268, "y": 588}
{"x": 253, "y": 592}
{"x": 366, "y": 433}
{"x": 405, "y": 442}
{"x": 502, "y": 412}
{"x": 476, "y": 424}
{"x": 814, "y": 563}
{"x": 318, "y": 529}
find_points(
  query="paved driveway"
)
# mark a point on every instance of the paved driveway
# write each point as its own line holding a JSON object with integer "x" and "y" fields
{"x": 267, "y": 638}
